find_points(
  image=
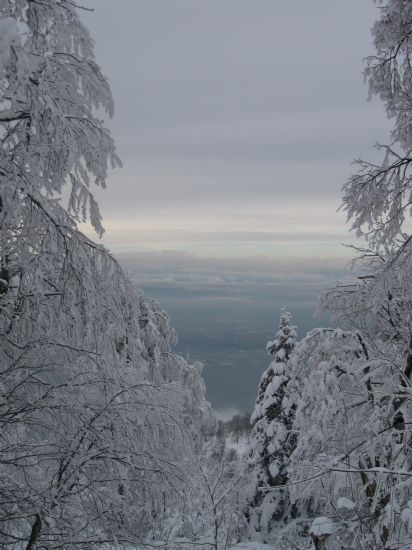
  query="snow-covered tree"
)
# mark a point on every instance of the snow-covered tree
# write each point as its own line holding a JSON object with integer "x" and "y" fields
{"x": 377, "y": 198}
{"x": 329, "y": 420}
{"x": 349, "y": 475}
{"x": 378, "y": 306}
{"x": 272, "y": 437}
{"x": 97, "y": 416}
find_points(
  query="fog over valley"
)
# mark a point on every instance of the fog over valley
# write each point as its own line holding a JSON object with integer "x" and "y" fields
{"x": 225, "y": 310}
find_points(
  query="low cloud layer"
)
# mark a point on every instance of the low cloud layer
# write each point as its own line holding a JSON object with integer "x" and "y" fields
{"x": 225, "y": 310}
{"x": 257, "y": 274}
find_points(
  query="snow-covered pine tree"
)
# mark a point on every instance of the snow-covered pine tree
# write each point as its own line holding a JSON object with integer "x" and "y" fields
{"x": 272, "y": 439}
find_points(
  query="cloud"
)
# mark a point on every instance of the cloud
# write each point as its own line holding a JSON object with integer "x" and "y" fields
{"x": 224, "y": 109}
{"x": 239, "y": 278}
{"x": 226, "y": 309}
{"x": 185, "y": 261}
{"x": 272, "y": 232}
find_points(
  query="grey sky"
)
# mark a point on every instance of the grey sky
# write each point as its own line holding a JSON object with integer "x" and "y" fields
{"x": 234, "y": 116}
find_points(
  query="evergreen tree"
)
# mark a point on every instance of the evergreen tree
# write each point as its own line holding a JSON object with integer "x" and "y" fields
{"x": 272, "y": 439}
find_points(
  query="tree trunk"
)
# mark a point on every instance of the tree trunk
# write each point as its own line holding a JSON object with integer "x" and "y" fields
{"x": 35, "y": 532}
{"x": 408, "y": 367}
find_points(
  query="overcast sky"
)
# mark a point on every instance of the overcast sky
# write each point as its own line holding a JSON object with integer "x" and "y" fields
{"x": 236, "y": 121}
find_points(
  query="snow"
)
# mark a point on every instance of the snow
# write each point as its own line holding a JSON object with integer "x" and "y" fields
{"x": 344, "y": 503}
{"x": 407, "y": 516}
{"x": 322, "y": 526}
{"x": 9, "y": 35}
{"x": 274, "y": 469}
{"x": 240, "y": 444}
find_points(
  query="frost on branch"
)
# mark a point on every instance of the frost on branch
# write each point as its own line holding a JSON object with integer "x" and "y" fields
{"x": 350, "y": 468}
{"x": 378, "y": 198}
{"x": 51, "y": 137}
{"x": 376, "y": 306}
{"x": 98, "y": 417}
